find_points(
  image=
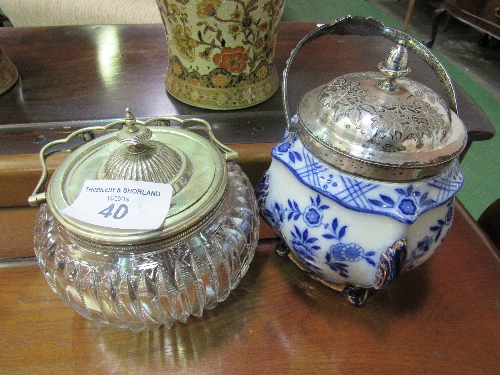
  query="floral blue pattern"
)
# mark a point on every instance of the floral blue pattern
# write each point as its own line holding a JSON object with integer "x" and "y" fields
{"x": 323, "y": 237}
{"x": 284, "y": 148}
{"x": 408, "y": 203}
{"x": 305, "y": 245}
{"x": 337, "y": 254}
{"x": 401, "y": 201}
{"x": 436, "y": 235}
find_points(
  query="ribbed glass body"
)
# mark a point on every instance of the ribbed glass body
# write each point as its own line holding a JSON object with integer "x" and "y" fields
{"x": 145, "y": 286}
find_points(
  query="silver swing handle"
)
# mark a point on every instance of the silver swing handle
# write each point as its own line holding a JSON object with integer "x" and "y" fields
{"x": 361, "y": 26}
{"x": 38, "y": 196}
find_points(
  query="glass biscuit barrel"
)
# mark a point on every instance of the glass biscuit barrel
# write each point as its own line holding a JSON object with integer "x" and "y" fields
{"x": 144, "y": 278}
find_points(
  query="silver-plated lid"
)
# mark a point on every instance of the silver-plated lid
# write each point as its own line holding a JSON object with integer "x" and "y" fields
{"x": 380, "y": 125}
{"x": 141, "y": 158}
{"x": 194, "y": 165}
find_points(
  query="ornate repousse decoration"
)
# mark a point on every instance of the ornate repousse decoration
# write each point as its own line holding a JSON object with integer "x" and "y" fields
{"x": 158, "y": 163}
{"x": 142, "y": 159}
{"x": 413, "y": 119}
{"x": 346, "y": 99}
{"x": 221, "y": 51}
{"x": 391, "y": 123}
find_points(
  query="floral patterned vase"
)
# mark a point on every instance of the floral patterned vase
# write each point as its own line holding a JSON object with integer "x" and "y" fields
{"x": 221, "y": 52}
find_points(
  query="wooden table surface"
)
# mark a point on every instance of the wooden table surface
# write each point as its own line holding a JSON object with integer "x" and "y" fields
{"x": 441, "y": 318}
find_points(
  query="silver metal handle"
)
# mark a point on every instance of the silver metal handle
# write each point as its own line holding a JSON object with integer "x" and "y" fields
{"x": 228, "y": 153}
{"x": 370, "y": 27}
{"x": 39, "y": 196}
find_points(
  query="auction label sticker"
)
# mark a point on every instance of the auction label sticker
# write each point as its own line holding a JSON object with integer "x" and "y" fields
{"x": 122, "y": 204}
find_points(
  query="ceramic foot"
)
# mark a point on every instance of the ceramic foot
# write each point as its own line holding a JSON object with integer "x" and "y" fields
{"x": 355, "y": 295}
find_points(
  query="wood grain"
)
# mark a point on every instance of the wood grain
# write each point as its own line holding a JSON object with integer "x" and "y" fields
{"x": 16, "y": 235}
{"x": 441, "y": 318}
{"x": 19, "y": 174}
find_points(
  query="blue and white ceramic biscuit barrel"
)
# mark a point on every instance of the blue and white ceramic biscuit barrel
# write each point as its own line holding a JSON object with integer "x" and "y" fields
{"x": 362, "y": 186}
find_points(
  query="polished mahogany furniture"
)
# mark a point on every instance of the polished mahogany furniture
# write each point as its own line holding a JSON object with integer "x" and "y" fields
{"x": 483, "y": 15}
{"x": 72, "y": 77}
{"x": 439, "y": 318}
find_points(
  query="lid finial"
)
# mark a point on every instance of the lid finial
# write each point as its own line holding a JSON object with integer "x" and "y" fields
{"x": 130, "y": 121}
{"x": 134, "y": 134}
{"x": 141, "y": 158}
{"x": 395, "y": 65}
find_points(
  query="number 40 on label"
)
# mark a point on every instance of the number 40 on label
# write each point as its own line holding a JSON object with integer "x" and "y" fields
{"x": 120, "y": 212}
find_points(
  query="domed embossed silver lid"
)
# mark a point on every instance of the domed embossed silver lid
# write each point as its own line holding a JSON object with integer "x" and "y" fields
{"x": 381, "y": 125}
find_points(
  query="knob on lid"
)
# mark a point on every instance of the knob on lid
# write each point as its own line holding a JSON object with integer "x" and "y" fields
{"x": 381, "y": 125}
{"x": 194, "y": 165}
{"x": 142, "y": 159}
